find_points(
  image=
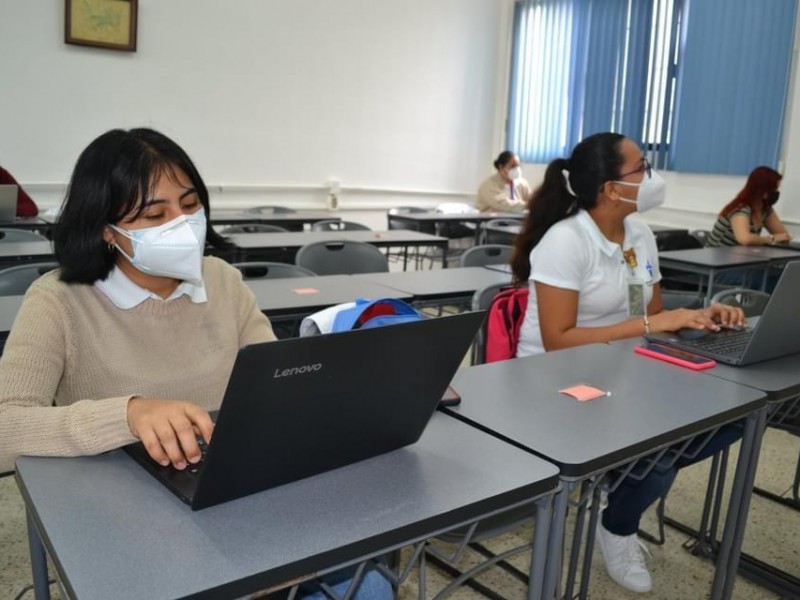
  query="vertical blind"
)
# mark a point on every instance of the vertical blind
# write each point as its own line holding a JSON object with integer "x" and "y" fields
{"x": 701, "y": 83}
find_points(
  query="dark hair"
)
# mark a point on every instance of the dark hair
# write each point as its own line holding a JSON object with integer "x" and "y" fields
{"x": 761, "y": 181}
{"x": 594, "y": 161}
{"x": 113, "y": 177}
{"x": 503, "y": 159}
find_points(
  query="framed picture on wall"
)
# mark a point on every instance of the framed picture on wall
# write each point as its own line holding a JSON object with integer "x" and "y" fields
{"x": 103, "y": 23}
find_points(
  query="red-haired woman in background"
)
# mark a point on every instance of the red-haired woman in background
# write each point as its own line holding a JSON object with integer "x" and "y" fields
{"x": 741, "y": 221}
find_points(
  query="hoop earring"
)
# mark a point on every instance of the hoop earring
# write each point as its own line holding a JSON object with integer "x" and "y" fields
{"x": 111, "y": 248}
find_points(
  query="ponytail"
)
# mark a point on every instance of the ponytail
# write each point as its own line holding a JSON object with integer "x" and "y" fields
{"x": 568, "y": 186}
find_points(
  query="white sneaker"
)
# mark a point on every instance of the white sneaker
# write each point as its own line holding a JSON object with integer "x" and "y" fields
{"x": 623, "y": 556}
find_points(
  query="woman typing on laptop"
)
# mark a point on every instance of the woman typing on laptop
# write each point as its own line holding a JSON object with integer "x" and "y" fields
{"x": 135, "y": 336}
{"x": 594, "y": 277}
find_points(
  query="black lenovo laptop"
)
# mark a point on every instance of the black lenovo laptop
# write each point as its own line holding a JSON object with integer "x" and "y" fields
{"x": 775, "y": 333}
{"x": 298, "y": 407}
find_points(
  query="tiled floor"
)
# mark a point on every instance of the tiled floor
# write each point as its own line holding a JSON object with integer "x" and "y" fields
{"x": 771, "y": 535}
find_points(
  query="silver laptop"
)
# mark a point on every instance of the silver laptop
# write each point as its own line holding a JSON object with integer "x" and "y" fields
{"x": 774, "y": 334}
{"x": 8, "y": 202}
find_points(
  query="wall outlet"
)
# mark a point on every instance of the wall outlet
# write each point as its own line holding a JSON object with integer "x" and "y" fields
{"x": 333, "y": 194}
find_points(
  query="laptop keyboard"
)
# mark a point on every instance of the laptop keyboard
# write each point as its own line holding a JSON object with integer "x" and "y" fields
{"x": 728, "y": 342}
{"x": 193, "y": 469}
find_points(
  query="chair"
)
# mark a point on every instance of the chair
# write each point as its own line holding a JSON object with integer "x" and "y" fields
{"x": 15, "y": 281}
{"x": 487, "y": 254}
{"x": 270, "y": 210}
{"x": 334, "y": 225}
{"x": 253, "y": 228}
{"x": 20, "y": 235}
{"x": 344, "y": 257}
{"x": 752, "y": 302}
{"x": 271, "y": 270}
{"x": 701, "y": 235}
{"x": 501, "y": 231}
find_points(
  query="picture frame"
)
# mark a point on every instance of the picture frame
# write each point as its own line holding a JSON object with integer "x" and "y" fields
{"x": 109, "y": 24}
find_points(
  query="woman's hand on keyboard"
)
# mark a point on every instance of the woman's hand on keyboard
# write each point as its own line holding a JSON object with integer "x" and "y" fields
{"x": 730, "y": 317}
{"x": 681, "y": 318}
{"x": 168, "y": 429}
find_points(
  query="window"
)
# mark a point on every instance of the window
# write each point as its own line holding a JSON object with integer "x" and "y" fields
{"x": 642, "y": 68}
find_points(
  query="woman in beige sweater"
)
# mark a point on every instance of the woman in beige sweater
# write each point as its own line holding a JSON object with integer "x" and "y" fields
{"x": 506, "y": 190}
{"x": 134, "y": 337}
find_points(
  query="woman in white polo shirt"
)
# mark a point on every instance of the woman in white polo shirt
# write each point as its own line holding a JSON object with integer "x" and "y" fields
{"x": 594, "y": 278}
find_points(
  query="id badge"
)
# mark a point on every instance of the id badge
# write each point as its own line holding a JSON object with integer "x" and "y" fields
{"x": 636, "y": 302}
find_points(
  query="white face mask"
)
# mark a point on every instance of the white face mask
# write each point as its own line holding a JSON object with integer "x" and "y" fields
{"x": 514, "y": 173}
{"x": 174, "y": 249}
{"x": 652, "y": 192}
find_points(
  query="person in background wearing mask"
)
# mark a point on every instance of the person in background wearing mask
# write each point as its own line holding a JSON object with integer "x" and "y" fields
{"x": 506, "y": 190}
{"x": 594, "y": 277}
{"x": 741, "y": 220}
{"x": 26, "y": 207}
{"x": 135, "y": 335}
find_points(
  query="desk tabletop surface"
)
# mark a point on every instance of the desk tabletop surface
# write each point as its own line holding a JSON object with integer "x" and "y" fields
{"x": 651, "y": 403}
{"x": 301, "y": 238}
{"x": 12, "y": 249}
{"x": 768, "y": 252}
{"x": 779, "y": 378}
{"x": 117, "y": 533}
{"x": 303, "y": 293}
{"x": 475, "y": 217}
{"x": 436, "y": 282}
{"x": 712, "y": 257}
{"x": 240, "y": 216}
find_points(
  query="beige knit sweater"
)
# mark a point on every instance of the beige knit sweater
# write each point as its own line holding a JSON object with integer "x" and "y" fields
{"x": 73, "y": 360}
{"x": 493, "y": 195}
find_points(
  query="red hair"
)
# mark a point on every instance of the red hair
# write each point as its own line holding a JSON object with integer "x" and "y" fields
{"x": 761, "y": 182}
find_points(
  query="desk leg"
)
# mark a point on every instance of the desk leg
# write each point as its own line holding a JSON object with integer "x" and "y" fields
{"x": 712, "y": 275}
{"x": 445, "y": 248}
{"x": 541, "y": 535}
{"x": 731, "y": 547}
{"x": 555, "y": 546}
{"x": 41, "y": 587}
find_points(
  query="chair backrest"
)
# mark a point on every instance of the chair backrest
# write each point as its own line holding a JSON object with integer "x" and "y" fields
{"x": 676, "y": 240}
{"x": 406, "y": 210}
{"x": 482, "y": 300}
{"x": 253, "y": 228}
{"x": 487, "y": 254}
{"x": 334, "y": 225}
{"x": 20, "y": 235}
{"x": 752, "y": 302}
{"x": 15, "y": 281}
{"x": 343, "y": 257}
{"x": 271, "y": 270}
{"x": 701, "y": 235}
{"x": 269, "y": 210}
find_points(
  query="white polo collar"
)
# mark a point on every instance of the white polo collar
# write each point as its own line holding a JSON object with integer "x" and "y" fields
{"x": 608, "y": 247}
{"x": 126, "y": 294}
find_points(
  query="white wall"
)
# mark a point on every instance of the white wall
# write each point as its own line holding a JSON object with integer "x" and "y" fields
{"x": 402, "y": 101}
{"x": 397, "y": 100}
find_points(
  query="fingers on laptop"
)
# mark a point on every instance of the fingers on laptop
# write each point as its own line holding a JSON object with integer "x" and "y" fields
{"x": 167, "y": 429}
{"x": 727, "y": 316}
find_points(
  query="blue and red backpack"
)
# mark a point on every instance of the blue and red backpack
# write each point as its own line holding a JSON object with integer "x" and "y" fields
{"x": 506, "y": 314}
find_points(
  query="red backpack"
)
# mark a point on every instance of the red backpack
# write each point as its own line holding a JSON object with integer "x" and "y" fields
{"x": 506, "y": 314}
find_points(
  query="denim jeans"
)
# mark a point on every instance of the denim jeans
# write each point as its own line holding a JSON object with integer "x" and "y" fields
{"x": 373, "y": 586}
{"x": 631, "y": 498}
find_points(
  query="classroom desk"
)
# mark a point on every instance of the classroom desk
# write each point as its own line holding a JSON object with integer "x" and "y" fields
{"x": 439, "y": 286}
{"x": 114, "y": 532}
{"x": 779, "y": 379}
{"x": 651, "y": 408}
{"x": 296, "y": 297}
{"x": 32, "y": 223}
{"x": 284, "y": 246}
{"x": 18, "y": 253}
{"x": 710, "y": 262}
{"x": 666, "y": 229}
{"x": 295, "y": 221}
{"x": 436, "y": 218}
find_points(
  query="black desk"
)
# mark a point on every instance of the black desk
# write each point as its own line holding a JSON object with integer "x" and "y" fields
{"x": 284, "y": 246}
{"x": 666, "y": 229}
{"x": 416, "y": 220}
{"x": 709, "y": 262}
{"x": 651, "y": 407}
{"x": 114, "y": 532}
{"x": 440, "y": 286}
{"x": 295, "y": 221}
{"x": 18, "y": 253}
{"x": 296, "y": 297}
{"x": 31, "y": 223}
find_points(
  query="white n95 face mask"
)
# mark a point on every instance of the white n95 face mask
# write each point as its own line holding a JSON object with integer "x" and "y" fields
{"x": 174, "y": 249}
{"x": 652, "y": 192}
{"x": 514, "y": 173}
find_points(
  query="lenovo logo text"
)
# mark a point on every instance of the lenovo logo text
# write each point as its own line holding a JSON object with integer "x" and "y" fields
{"x": 302, "y": 370}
